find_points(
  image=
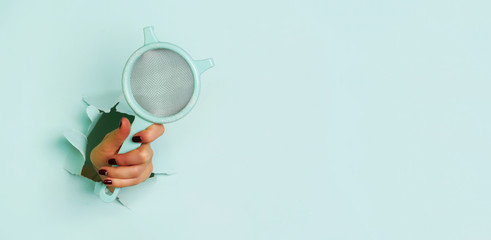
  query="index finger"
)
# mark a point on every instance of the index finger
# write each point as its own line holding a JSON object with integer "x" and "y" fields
{"x": 150, "y": 134}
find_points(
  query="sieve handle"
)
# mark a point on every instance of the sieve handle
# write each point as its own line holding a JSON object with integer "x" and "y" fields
{"x": 137, "y": 126}
{"x": 149, "y": 35}
{"x": 203, "y": 65}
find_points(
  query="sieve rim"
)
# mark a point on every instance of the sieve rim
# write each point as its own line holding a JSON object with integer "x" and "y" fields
{"x": 126, "y": 83}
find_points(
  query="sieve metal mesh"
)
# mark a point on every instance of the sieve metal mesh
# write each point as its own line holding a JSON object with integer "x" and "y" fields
{"x": 162, "y": 82}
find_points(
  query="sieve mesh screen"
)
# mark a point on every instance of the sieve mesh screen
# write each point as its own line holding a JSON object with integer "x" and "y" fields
{"x": 162, "y": 82}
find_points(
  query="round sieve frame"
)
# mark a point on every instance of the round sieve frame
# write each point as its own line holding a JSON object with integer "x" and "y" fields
{"x": 126, "y": 81}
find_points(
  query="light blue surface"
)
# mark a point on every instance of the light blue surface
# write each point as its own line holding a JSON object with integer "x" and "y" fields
{"x": 324, "y": 119}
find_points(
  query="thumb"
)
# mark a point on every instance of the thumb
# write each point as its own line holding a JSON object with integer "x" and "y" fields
{"x": 113, "y": 140}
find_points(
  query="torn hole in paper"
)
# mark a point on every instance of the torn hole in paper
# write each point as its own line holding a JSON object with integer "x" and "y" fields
{"x": 103, "y": 121}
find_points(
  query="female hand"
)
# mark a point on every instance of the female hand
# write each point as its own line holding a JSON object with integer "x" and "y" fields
{"x": 134, "y": 166}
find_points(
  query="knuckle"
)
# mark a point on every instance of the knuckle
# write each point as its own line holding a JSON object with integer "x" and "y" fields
{"x": 144, "y": 155}
{"x": 134, "y": 172}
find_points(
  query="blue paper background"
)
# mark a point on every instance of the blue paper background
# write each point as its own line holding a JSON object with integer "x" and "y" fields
{"x": 347, "y": 119}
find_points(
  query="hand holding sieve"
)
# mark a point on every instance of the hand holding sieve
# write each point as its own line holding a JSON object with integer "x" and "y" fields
{"x": 161, "y": 85}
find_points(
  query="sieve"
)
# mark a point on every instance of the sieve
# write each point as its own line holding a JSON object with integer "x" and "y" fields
{"x": 161, "y": 85}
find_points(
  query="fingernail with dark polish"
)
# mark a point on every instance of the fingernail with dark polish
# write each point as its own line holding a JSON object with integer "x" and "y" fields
{"x": 103, "y": 172}
{"x": 108, "y": 181}
{"x": 136, "y": 139}
{"x": 112, "y": 161}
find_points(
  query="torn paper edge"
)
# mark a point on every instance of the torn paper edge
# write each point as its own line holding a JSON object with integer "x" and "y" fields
{"x": 79, "y": 140}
